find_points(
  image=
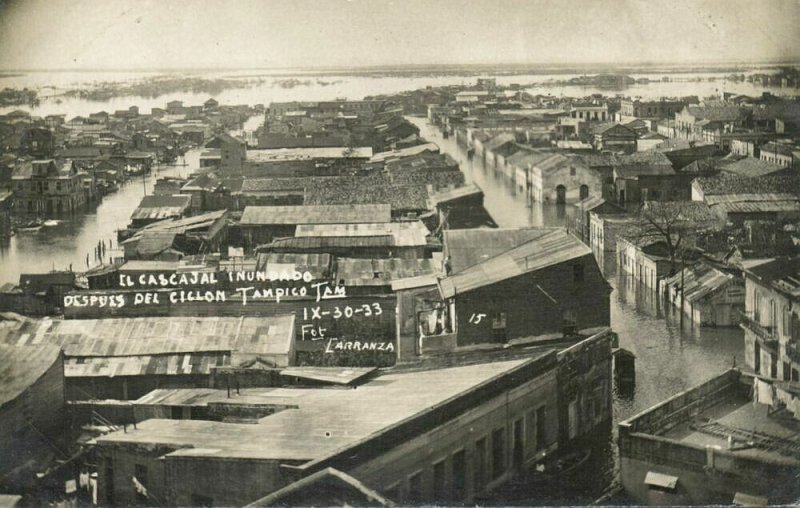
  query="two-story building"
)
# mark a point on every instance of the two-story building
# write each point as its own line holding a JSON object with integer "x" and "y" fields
{"x": 49, "y": 187}
{"x": 772, "y": 318}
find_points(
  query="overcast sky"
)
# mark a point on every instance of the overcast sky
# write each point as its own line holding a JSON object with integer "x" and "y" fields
{"x": 158, "y": 34}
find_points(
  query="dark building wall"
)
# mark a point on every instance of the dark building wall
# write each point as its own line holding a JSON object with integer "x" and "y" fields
{"x": 225, "y": 482}
{"x": 129, "y": 387}
{"x": 36, "y": 412}
{"x": 392, "y": 472}
{"x": 118, "y": 465}
{"x": 584, "y": 391}
{"x": 535, "y": 303}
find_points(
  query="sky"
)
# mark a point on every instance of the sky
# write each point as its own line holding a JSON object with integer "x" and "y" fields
{"x": 161, "y": 34}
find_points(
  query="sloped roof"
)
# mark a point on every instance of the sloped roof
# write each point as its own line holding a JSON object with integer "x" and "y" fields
{"x": 526, "y": 156}
{"x": 405, "y": 152}
{"x": 782, "y": 273}
{"x": 732, "y": 184}
{"x": 131, "y": 337}
{"x": 315, "y": 214}
{"x": 405, "y": 234}
{"x": 318, "y": 265}
{"x": 161, "y": 207}
{"x": 21, "y": 366}
{"x": 717, "y": 112}
{"x": 553, "y": 247}
{"x": 316, "y": 485}
{"x": 381, "y": 272}
{"x": 752, "y": 167}
{"x": 468, "y": 247}
{"x": 436, "y": 198}
{"x": 150, "y": 243}
{"x": 700, "y": 281}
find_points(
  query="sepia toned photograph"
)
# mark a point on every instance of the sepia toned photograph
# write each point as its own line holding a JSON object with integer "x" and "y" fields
{"x": 399, "y": 253}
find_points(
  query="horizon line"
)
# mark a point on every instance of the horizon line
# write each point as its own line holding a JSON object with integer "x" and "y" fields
{"x": 369, "y": 67}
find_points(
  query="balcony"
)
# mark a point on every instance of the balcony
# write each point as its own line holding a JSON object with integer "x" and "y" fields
{"x": 793, "y": 351}
{"x": 768, "y": 334}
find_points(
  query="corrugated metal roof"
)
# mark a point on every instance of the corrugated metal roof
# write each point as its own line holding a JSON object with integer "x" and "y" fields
{"x": 468, "y": 247}
{"x": 700, "y": 281}
{"x": 453, "y": 194}
{"x": 381, "y": 272}
{"x": 556, "y": 246}
{"x": 405, "y": 152}
{"x": 155, "y": 365}
{"x": 315, "y": 214}
{"x": 330, "y": 242}
{"x": 21, "y": 366}
{"x": 291, "y": 154}
{"x": 405, "y": 234}
{"x": 318, "y": 265}
{"x": 134, "y": 337}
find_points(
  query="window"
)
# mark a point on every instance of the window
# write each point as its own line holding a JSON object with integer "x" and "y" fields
{"x": 498, "y": 452}
{"x": 519, "y": 444}
{"x": 577, "y": 272}
{"x": 415, "y": 487}
{"x": 458, "y": 463}
{"x": 541, "y": 412}
{"x": 480, "y": 464}
{"x": 572, "y": 171}
{"x": 439, "y": 482}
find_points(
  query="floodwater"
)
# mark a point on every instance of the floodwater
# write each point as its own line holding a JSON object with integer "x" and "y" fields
{"x": 67, "y": 244}
{"x": 263, "y": 87}
{"x": 670, "y": 356}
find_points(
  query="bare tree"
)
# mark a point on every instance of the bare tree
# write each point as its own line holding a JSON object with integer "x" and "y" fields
{"x": 676, "y": 223}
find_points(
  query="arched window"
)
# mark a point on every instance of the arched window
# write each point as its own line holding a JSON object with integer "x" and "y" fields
{"x": 561, "y": 195}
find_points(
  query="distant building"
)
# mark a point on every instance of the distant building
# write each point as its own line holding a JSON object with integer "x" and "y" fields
{"x": 562, "y": 179}
{"x": 614, "y": 137}
{"x": 778, "y": 153}
{"x": 155, "y": 208}
{"x": 589, "y": 111}
{"x": 232, "y": 151}
{"x": 662, "y": 108}
{"x": 49, "y": 187}
{"x": 707, "y": 295}
{"x": 262, "y": 224}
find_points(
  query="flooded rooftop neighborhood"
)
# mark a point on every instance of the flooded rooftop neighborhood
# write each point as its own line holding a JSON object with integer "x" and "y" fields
{"x": 504, "y": 265}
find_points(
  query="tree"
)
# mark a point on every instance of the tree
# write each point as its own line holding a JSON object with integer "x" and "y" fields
{"x": 677, "y": 224}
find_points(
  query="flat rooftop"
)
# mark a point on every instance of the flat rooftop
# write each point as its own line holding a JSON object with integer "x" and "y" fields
{"x": 325, "y": 422}
{"x": 756, "y": 434}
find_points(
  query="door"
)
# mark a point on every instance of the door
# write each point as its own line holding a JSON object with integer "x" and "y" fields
{"x": 561, "y": 195}
{"x": 584, "y": 192}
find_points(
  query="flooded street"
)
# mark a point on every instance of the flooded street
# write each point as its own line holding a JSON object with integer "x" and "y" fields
{"x": 669, "y": 357}
{"x": 68, "y": 243}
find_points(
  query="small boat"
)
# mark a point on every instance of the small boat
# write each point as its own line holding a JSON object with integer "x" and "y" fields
{"x": 30, "y": 226}
{"x": 50, "y": 223}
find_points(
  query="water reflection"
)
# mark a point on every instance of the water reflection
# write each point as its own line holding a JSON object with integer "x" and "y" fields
{"x": 671, "y": 354}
